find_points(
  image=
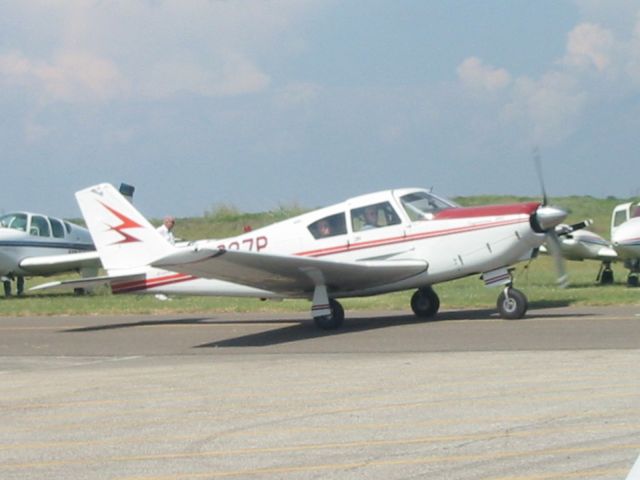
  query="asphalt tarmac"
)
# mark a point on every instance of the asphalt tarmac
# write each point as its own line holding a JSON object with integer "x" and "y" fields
{"x": 553, "y": 396}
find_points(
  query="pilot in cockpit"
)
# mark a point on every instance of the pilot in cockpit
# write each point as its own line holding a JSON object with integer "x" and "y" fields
{"x": 324, "y": 228}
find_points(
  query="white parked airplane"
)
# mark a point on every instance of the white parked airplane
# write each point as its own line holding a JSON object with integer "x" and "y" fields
{"x": 32, "y": 244}
{"x": 382, "y": 242}
{"x": 578, "y": 244}
{"x": 36, "y": 244}
{"x": 625, "y": 238}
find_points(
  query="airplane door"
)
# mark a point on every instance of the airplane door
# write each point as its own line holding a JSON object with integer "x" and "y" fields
{"x": 376, "y": 231}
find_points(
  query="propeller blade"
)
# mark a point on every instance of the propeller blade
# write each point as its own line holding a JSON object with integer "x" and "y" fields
{"x": 538, "y": 164}
{"x": 580, "y": 225}
{"x": 553, "y": 242}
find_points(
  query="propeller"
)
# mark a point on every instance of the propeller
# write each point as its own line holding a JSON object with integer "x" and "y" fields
{"x": 545, "y": 219}
{"x": 564, "y": 229}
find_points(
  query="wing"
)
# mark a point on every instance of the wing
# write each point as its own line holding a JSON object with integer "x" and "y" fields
{"x": 287, "y": 274}
{"x": 47, "y": 265}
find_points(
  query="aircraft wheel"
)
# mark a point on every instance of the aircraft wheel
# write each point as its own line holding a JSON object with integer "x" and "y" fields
{"x": 632, "y": 280}
{"x": 607, "y": 277}
{"x": 332, "y": 321}
{"x": 512, "y": 305}
{"x": 425, "y": 303}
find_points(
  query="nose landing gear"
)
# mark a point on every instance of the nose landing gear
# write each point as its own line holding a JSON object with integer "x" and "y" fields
{"x": 512, "y": 303}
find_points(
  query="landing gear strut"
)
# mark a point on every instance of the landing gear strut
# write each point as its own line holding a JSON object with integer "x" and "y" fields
{"x": 332, "y": 321}
{"x": 425, "y": 303}
{"x": 512, "y": 303}
{"x": 605, "y": 274}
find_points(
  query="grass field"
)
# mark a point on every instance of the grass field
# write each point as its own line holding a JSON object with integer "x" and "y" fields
{"x": 537, "y": 279}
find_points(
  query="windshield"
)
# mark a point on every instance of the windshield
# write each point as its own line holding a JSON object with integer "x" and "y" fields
{"x": 422, "y": 205}
{"x": 17, "y": 221}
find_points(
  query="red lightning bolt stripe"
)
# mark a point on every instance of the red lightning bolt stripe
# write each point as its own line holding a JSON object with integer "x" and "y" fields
{"x": 126, "y": 224}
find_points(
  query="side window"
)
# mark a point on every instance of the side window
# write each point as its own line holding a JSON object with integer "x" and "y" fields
{"x": 329, "y": 226}
{"x": 39, "y": 226}
{"x": 56, "y": 228}
{"x": 67, "y": 227}
{"x": 619, "y": 217}
{"x": 374, "y": 216}
{"x": 17, "y": 221}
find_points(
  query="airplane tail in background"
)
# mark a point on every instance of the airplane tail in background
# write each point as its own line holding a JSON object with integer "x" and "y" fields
{"x": 123, "y": 237}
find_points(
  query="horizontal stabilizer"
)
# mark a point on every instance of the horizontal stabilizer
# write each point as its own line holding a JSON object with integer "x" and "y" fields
{"x": 287, "y": 273}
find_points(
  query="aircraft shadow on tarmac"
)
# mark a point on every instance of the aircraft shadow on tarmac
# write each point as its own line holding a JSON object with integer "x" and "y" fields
{"x": 143, "y": 323}
{"x": 300, "y": 329}
{"x": 306, "y": 330}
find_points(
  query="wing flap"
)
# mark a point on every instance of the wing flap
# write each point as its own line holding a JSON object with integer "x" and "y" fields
{"x": 287, "y": 273}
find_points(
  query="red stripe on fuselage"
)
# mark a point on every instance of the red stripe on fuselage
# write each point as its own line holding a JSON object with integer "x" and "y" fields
{"x": 406, "y": 238}
{"x": 488, "y": 211}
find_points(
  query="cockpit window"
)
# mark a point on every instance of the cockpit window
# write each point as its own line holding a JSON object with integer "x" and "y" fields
{"x": 17, "y": 221}
{"x": 423, "y": 205}
{"x": 329, "y": 226}
{"x": 56, "y": 227}
{"x": 39, "y": 226}
{"x": 373, "y": 216}
{"x": 619, "y": 217}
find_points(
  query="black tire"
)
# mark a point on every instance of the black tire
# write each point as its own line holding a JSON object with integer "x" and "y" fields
{"x": 607, "y": 277}
{"x": 332, "y": 321}
{"x": 425, "y": 303}
{"x": 512, "y": 306}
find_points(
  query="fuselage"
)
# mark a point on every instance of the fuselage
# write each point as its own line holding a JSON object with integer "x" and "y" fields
{"x": 26, "y": 235}
{"x": 626, "y": 238}
{"x": 410, "y": 224}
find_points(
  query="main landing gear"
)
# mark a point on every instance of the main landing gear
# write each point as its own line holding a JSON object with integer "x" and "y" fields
{"x": 605, "y": 274}
{"x": 332, "y": 320}
{"x": 425, "y": 303}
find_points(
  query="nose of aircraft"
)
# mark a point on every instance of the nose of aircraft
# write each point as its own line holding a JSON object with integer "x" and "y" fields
{"x": 547, "y": 217}
{"x": 627, "y": 235}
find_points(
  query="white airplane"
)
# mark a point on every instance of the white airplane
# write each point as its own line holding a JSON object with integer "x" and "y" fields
{"x": 625, "y": 238}
{"x": 32, "y": 244}
{"x": 35, "y": 244}
{"x": 578, "y": 244}
{"x": 382, "y": 242}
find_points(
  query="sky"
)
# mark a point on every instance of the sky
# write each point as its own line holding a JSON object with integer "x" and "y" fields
{"x": 260, "y": 104}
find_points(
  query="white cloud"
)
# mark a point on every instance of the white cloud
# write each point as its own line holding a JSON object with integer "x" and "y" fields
{"x": 154, "y": 48}
{"x": 70, "y": 76}
{"x": 589, "y": 45}
{"x": 547, "y": 108}
{"x": 234, "y": 76}
{"x": 474, "y": 74}
{"x": 298, "y": 94}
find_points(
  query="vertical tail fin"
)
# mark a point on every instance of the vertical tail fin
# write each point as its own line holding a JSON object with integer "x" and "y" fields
{"x": 123, "y": 237}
